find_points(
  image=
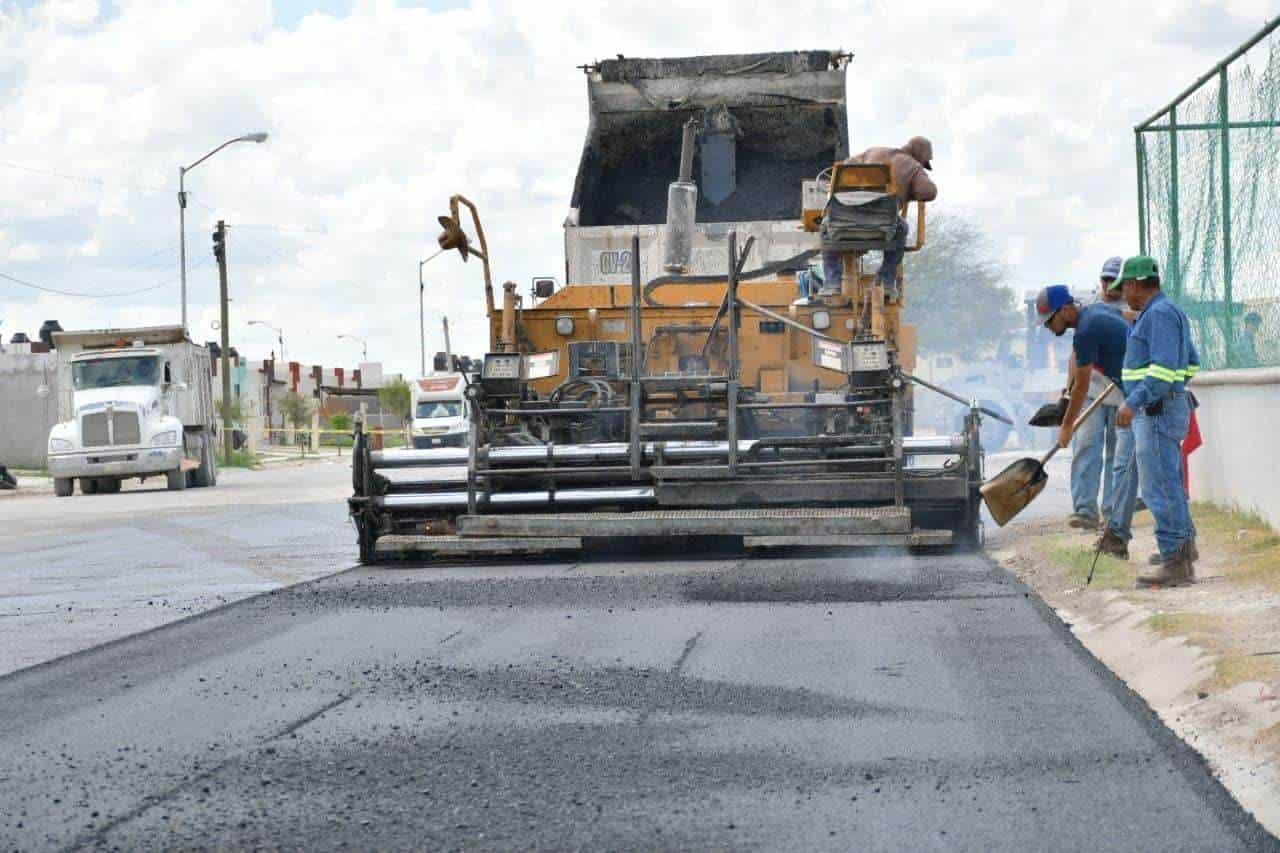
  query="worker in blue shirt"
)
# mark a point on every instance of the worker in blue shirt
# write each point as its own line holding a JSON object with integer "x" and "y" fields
{"x": 1097, "y": 356}
{"x": 1159, "y": 360}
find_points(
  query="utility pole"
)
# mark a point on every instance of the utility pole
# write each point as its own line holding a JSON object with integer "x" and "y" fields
{"x": 182, "y": 238}
{"x": 220, "y": 252}
{"x": 448, "y": 350}
{"x": 422, "y": 323}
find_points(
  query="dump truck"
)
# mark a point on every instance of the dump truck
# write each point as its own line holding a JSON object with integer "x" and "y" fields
{"x": 694, "y": 375}
{"x": 134, "y": 403}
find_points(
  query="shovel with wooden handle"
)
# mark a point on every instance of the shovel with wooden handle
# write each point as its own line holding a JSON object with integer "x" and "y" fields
{"x": 1008, "y": 493}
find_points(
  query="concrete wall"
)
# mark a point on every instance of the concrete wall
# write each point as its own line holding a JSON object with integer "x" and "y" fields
{"x": 1238, "y": 416}
{"x": 25, "y": 418}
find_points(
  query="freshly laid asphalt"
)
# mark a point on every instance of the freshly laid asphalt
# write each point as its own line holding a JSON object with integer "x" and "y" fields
{"x": 676, "y": 701}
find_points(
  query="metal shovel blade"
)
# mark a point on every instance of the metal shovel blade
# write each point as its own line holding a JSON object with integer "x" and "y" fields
{"x": 1007, "y": 493}
{"x": 1050, "y": 414}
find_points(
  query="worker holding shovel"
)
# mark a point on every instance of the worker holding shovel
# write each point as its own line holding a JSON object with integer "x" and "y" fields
{"x": 1097, "y": 349}
{"x": 1099, "y": 344}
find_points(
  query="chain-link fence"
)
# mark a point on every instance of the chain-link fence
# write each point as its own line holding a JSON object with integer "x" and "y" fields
{"x": 1209, "y": 203}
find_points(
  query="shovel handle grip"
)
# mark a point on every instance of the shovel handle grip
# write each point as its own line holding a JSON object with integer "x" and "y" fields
{"x": 1084, "y": 416}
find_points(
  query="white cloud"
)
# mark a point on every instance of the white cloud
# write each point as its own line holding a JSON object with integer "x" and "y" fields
{"x": 376, "y": 118}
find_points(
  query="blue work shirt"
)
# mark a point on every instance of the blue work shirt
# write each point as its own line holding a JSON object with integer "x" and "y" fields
{"x": 1160, "y": 357}
{"x": 1099, "y": 341}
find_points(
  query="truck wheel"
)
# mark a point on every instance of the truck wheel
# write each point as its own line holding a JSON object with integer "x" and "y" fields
{"x": 177, "y": 479}
{"x": 207, "y": 473}
{"x": 88, "y": 486}
{"x": 63, "y": 486}
{"x": 108, "y": 486}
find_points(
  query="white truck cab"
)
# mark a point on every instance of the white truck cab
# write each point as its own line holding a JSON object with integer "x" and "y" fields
{"x": 132, "y": 408}
{"x": 440, "y": 411}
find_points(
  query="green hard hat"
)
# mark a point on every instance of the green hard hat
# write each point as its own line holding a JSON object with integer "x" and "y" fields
{"x": 1138, "y": 266}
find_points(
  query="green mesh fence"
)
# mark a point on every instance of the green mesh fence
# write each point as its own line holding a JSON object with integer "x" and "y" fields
{"x": 1209, "y": 204}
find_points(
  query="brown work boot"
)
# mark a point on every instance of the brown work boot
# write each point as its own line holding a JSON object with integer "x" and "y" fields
{"x": 1112, "y": 544}
{"x": 1175, "y": 571}
{"x": 1193, "y": 554}
{"x": 1081, "y": 521}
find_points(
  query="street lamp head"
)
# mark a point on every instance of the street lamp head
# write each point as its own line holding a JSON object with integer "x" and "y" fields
{"x": 260, "y": 136}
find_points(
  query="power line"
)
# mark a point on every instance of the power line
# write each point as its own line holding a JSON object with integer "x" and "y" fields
{"x": 82, "y": 295}
{"x": 81, "y": 179}
{"x": 192, "y": 197}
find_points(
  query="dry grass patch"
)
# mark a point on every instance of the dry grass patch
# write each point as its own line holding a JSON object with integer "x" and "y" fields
{"x": 1184, "y": 624}
{"x": 1269, "y": 737}
{"x": 1233, "y": 669}
{"x": 1249, "y": 548}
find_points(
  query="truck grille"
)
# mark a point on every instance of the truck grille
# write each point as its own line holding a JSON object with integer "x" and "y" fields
{"x": 93, "y": 430}
{"x": 124, "y": 429}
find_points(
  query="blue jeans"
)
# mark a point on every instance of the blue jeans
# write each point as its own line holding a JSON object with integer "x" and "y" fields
{"x": 1124, "y": 479}
{"x": 1158, "y": 439}
{"x": 1093, "y": 458}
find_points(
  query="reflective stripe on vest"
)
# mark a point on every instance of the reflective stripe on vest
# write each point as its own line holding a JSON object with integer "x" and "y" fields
{"x": 1159, "y": 371}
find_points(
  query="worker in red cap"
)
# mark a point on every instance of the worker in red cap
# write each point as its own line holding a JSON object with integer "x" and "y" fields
{"x": 1098, "y": 347}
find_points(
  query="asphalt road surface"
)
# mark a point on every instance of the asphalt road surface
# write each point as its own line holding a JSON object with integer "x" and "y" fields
{"x": 683, "y": 701}
{"x": 80, "y": 571}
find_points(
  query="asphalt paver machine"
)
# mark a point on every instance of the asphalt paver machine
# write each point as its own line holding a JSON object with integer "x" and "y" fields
{"x": 694, "y": 375}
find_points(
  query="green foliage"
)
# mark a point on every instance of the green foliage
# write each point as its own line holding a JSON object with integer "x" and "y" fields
{"x": 1110, "y": 573}
{"x": 955, "y": 290}
{"x": 239, "y": 459}
{"x": 340, "y": 421}
{"x": 296, "y": 410}
{"x": 396, "y": 398}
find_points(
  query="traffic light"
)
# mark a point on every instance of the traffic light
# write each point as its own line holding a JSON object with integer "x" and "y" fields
{"x": 219, "y": 241}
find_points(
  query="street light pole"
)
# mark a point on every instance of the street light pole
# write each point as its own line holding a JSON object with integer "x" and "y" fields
{"x": 182, "y": 209}
{"x": 182, "y": 238}
{"x": 279, "y": 337}
{"x": 364, "y": 345}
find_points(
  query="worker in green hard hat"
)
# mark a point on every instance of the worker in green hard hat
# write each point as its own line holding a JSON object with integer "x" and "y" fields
{"x": 1159, "y": 360}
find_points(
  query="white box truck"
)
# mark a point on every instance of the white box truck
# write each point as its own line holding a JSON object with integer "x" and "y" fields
{"x": 133, "y": 403}
{"x": 439, "y": 411}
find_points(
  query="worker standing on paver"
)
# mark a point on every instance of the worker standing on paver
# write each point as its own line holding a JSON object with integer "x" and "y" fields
{"x": 1159, "y": 360}
{"x": 910, "y": 165}
{"x": 1097, "y": 349}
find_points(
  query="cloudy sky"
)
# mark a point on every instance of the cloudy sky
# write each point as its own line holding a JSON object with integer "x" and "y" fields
{"x": 378, "y": 110}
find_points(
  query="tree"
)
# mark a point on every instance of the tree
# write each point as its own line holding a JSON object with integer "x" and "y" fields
{"x": 296, "y": 410}
{"x": 956, "y": 294}
{"x": 396, "y": 398}
{"x": 340, "y": 421}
